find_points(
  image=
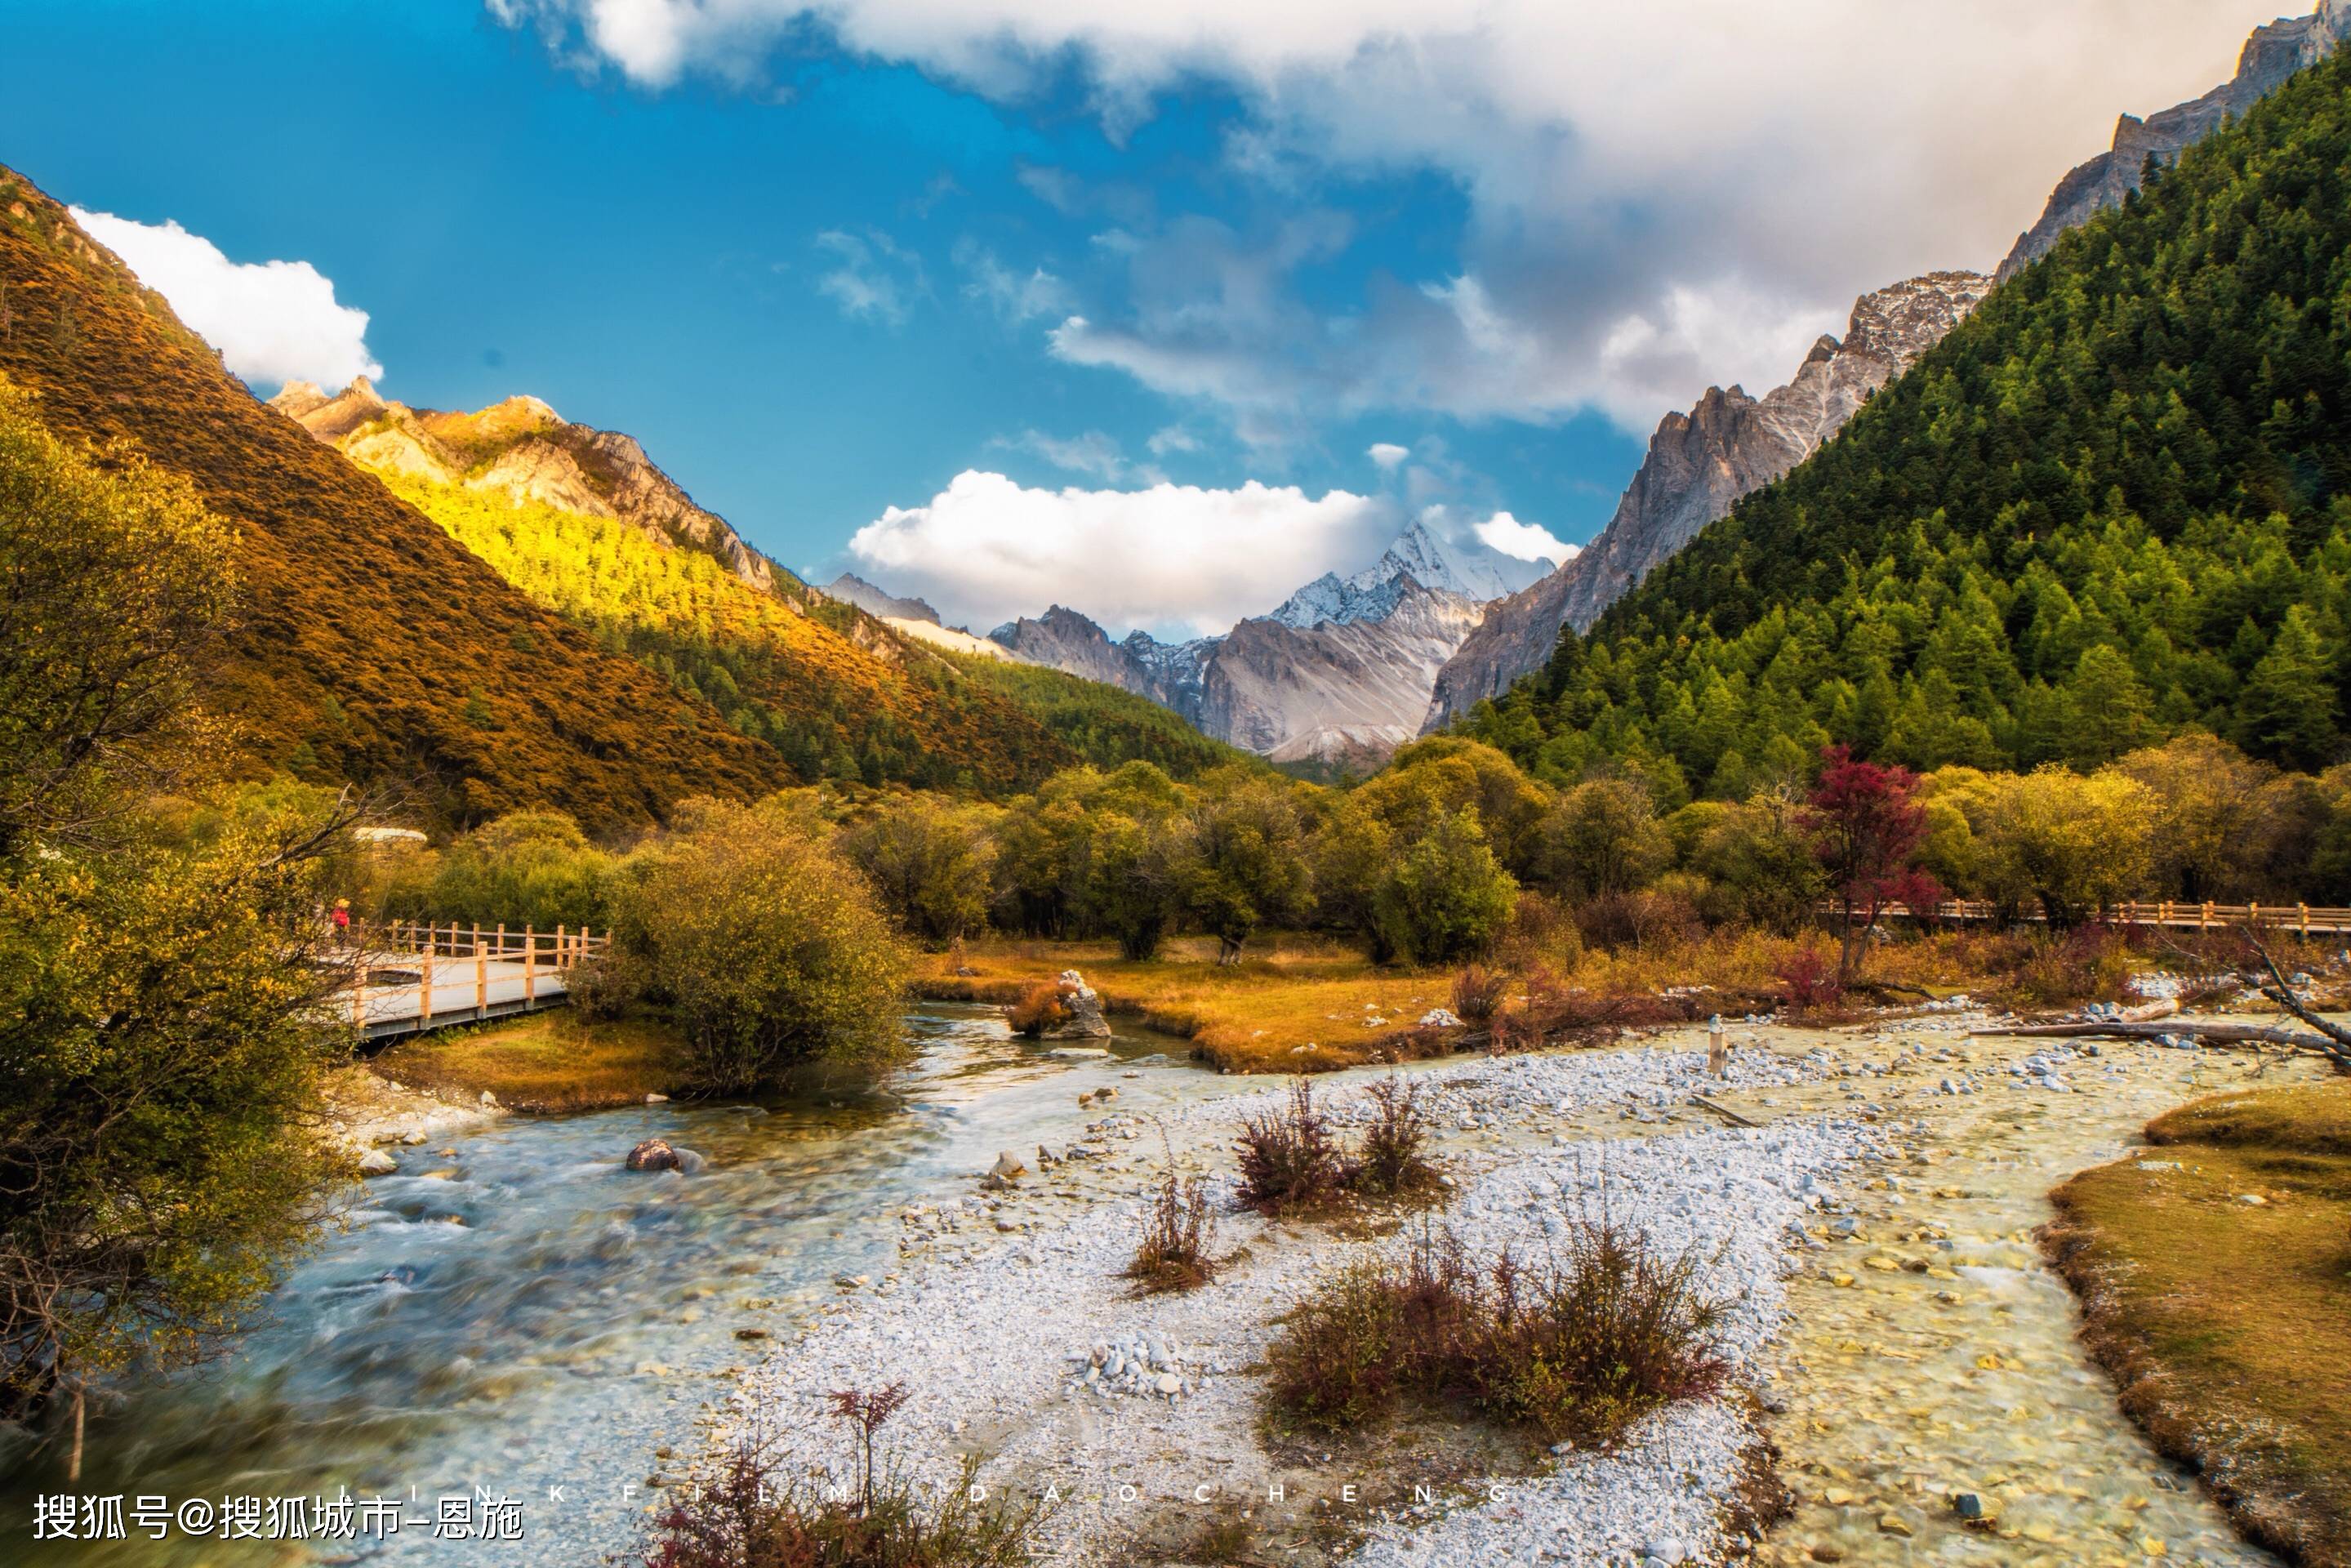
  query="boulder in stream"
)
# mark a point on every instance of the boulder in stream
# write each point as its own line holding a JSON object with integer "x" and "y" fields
{"x": 1081, "y": 1004}
{"x": 375, "y": 1162}
{"x": 654, "y": 1154}
{"x": 1008, "y": 1166}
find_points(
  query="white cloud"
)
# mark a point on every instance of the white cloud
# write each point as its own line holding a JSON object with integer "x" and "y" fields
{"x": 1701, "y": 192}
{"x": 1173, "y": 438}
{"x": 1523, "y": 541}
{"x": 876, "y": 279}
{"x": 1093, "y": 453}
{"x": 1387, "y": 454}
{"x": 1014, "y": 298}
{"x": 273, "y": 321}
{"x": 985, "y": 549}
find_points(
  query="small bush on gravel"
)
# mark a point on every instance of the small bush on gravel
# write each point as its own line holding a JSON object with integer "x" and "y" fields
{"x": 752, "y": 1515}
{"x": 1177, "y": 1235}
{"x": 1289, "y": 1161}
{"x": 1478, "y": 993}
{"x": 1039, "y": 1009}
{"x": 1392, "y": 1161}
{"x": 1578, "y": 1349}
{"x": 1808, "y": 979}
{"x": 1292, "y": 1162}
{"x": 2091, "y": 963}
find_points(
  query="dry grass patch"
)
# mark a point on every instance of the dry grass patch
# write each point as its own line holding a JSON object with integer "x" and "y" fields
{"x": 757, "y": 1513}
{"x": 1576, "y": 1349}
{"x": 2227, "y": 1324}
{"x": 1040, "y": 1008}
{"x": 547, "y": 1062}
{"x": 1179, "y": 1235}
{"x": 1292, "y": 1162}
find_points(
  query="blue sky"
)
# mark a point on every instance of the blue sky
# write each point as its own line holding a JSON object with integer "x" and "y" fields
{"x": 823, "y": 266}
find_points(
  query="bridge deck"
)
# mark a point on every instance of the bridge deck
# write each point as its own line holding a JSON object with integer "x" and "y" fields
{"x": 394, "y": 1000}
{"x": 473, "y": 975}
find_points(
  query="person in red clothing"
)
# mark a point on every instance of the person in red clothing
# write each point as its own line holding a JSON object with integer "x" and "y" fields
{"x": 342, "y": 918}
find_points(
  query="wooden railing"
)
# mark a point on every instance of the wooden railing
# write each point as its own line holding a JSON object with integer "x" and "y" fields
{"x": 2303, "y": 919}
{"x": 437, "y": 954}
{"x": 563, "y": 947}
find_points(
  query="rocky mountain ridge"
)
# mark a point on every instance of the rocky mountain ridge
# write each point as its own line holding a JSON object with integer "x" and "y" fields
{"x": 2273, "y": 54}
{"x": 1345, "y": 691}
{"x": 523, "y": 449}
{"x": 874, "y": 600}
{"x": 1699, "y": 465}
{"x": 1340, "y": 673}
{"x": 1476, "y": 572}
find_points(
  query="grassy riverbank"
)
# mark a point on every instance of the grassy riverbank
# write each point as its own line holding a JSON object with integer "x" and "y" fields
{"x": 1310, "y": 1004}
{"x": 1296, "y": 1004}
{"x": 548, "y": 1061}
{"x": 2227, "y": 1322}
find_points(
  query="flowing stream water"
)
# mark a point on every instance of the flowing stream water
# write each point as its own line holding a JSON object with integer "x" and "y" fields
{"x": 1931, "y": 1353}
{"x": 523, "y": 1313}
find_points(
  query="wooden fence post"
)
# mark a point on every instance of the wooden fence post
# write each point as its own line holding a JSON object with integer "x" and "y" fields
{"x": 2305, "y": 922}
{"x": 502, "y": 938}
{"x": 562, "y": 953}
{"x": 481, "y": 983}
{"x": 359, "y": 998}
{"x": 529, "y": 966}
{"x": 424, "y": 990}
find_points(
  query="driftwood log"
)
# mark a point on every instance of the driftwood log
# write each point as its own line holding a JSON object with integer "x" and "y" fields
{"x": 2330, "y": 1039}
{"x": 2120, "y": 1028}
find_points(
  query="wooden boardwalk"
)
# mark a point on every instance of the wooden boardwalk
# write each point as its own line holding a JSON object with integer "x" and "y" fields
{"x": 2300, "y": 919}
{"x": 410, "y": 977}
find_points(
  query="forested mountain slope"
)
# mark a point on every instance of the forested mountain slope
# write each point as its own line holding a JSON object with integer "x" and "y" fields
{"x": 2111, "y": 504}
{"x": 614, "y": 544}
{"x": 372, "y": 646}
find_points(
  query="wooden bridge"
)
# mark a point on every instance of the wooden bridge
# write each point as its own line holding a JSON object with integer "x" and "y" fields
{"x": 415, "y": 976}
{"x": 2300, "y": 919}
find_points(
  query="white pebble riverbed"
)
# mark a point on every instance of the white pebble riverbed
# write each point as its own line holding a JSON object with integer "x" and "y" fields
{"x": 994, "y": 1343}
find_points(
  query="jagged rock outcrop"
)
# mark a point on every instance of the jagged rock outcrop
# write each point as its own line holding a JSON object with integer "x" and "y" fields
{"x": 912, "y": 618}
{"x": 1064, "y": 639}
{"x": 1699, "y": 465}
{"x": 851, "y": 589}
{"x": 2273, "y": 54}
{"x": 1340, "y": 673}
{"x": 522, "y": 449}
{"x": 1082, "y": 1009}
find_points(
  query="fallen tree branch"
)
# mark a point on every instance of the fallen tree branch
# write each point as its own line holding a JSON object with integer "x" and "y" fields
{"x": 2336, "y": 1045}
{"x": 1725, "y": 1112}
{"x": 2117, "y": 1029}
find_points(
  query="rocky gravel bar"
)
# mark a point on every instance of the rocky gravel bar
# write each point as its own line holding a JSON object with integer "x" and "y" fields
{"x": 1136, "y": 1418}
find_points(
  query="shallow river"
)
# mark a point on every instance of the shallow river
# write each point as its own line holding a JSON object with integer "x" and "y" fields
{"x": 522, "y": 1314}
{"x": 576, "y": 1320}
{"x": 1930, "y": 1351}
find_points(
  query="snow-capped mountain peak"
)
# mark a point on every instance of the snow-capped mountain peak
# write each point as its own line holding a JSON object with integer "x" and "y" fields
{"x": 1475, "y": 571}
